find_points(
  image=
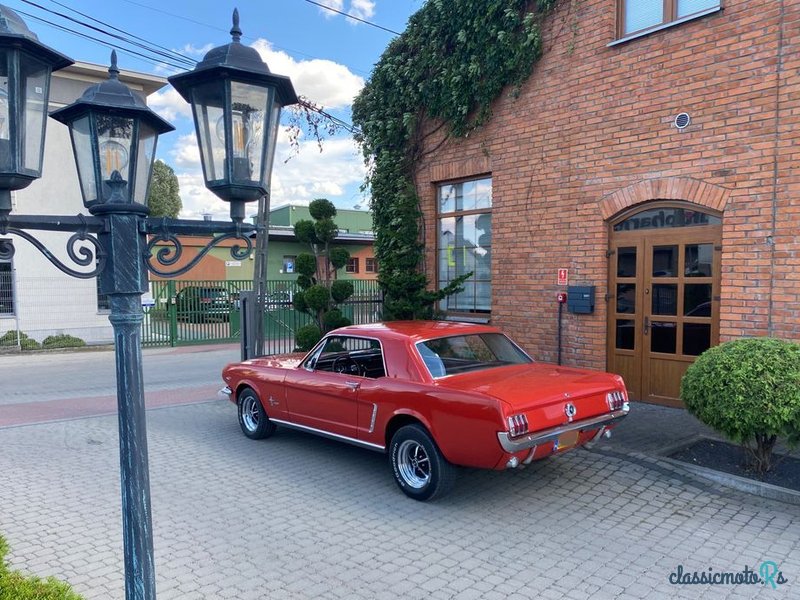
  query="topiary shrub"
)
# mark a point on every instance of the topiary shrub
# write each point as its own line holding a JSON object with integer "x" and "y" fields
{"x": 62, "y": 341}
{"x": 15, "y": 586}
{"x": 335, "y": 319}
{"x": 306, "y": 336}
{"x": 10, "y": 339}
{"x": 748, "y": 390}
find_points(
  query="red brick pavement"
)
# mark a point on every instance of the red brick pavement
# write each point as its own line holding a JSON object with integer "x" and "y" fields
{"x": 30, "y": 413}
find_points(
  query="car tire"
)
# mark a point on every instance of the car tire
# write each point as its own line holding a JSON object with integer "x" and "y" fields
{"x": 253, "y": 418}
{"x": 419, "y": 468}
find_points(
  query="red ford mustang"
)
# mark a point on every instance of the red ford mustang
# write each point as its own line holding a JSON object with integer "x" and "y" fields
{"x": 434, "y": 395}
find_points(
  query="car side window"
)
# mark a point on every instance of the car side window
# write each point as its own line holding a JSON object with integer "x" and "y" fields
{"x": 362, "y": 357}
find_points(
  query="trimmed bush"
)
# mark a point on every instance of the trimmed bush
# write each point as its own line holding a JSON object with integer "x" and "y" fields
{"x": 335, "y": 319}
{"x": 341, "y": 290}
{"x": 748, "y": 390}
{"x": 15, "y": 586}
{"x": 10, "y": 339}
{"x": 306, "y": 336}
{"x": 317, "y": 297}
{"x": 62, "y": 341}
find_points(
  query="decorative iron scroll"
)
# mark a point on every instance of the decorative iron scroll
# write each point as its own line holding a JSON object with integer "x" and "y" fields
{"x": 171, "y": 254}
{"x": 82, "y": 255}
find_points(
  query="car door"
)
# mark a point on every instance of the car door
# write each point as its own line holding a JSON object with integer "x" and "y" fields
{"x": 322, "y": 394}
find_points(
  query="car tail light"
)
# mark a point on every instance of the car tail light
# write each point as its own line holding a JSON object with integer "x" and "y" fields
{"x": 517, "y": 425}
{"x": 616, "y": 400}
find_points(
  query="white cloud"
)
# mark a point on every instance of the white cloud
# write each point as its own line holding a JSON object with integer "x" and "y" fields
{"x": 332, "y": 173}
{"x": 169, "y": 104}
{"x": 363, "y": 9}
{"x": 335, "y": 4}
{"x": 193, "y": 50}
{"x": 325, "y": 82}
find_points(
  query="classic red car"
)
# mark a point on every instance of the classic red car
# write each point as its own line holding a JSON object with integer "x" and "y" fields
{"x": 434, "y": 395}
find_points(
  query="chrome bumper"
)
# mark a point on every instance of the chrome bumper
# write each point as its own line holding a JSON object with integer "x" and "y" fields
{"x": 225, "y": 393}
{"x": 536, "y": 438}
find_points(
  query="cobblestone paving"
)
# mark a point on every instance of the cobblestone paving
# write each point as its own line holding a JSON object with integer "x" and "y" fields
{"x": 297, "y": 517}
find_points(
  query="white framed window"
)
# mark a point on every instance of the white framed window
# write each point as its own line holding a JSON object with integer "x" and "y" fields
{"x": 464, "y": 243}
{"x": 640, "y": 15}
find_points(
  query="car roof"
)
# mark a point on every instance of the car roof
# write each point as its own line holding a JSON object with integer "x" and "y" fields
{"x": 415, "y": 331}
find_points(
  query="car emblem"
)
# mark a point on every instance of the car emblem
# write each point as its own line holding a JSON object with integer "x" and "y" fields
{"x": 272, "y": 401}
{"x": 570, "y": 410}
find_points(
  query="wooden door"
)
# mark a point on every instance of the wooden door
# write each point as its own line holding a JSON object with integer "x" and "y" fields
{"x": 663, "y": 306}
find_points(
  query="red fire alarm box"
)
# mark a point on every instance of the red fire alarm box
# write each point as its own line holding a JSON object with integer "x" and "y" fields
{"x": 561, "y": 297}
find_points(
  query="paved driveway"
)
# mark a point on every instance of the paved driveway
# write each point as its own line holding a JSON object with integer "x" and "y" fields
{"x": 297, "y": 517}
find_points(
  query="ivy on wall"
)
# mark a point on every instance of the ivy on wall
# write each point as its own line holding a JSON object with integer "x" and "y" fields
{"x": 453, "y": 60}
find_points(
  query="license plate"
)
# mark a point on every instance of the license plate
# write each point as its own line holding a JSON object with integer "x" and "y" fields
{"x": 567, "y": 440}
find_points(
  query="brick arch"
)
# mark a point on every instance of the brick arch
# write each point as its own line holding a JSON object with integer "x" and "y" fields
{"x": 696, "y": 191}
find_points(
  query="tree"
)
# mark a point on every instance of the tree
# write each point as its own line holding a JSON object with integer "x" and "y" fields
{"x": 320, "y": 293}
{"x": 164, "y": 198}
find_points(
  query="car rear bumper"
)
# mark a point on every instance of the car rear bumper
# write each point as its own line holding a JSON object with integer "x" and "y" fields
{"x": 537, "y": 438}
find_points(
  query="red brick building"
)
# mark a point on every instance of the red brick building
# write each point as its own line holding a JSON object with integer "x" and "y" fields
{"x": 654, "y": 154}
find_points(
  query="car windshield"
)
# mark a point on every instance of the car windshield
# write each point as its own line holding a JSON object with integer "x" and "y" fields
{"x": 463, "y": 353}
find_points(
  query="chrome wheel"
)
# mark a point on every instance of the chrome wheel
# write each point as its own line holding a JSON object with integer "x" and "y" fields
{"x": 413, "y": 464}
{"x": 253, "y": 420}
{"x": 251, "y": 413}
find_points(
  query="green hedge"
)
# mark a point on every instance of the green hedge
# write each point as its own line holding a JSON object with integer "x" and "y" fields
{"x": 15, "y": 586}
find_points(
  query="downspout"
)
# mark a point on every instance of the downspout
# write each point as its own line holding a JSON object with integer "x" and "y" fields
{"x": 775, "y": 168}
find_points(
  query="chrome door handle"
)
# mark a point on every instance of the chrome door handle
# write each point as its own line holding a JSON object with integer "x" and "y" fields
{"x": 646, "y": 326}
{"x": 353, "y": 385}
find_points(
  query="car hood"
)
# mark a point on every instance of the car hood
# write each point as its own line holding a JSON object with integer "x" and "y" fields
{"x": 530, "y": 386}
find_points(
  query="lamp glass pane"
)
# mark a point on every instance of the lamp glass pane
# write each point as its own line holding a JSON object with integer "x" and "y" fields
{"x": 248, "y": 123}
{"x": 272, "y": 140}
{"x": 208, "y": 102}
{"x": 35, "y": 77}
{"x": 114, "y": 137}
{"x": 145, "y": 153}
{"x": 5, "y": 115}
{"x": 80, "y": 130}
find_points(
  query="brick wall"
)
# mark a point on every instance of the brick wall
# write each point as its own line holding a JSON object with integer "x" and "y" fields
{"x": 592, "y": 134}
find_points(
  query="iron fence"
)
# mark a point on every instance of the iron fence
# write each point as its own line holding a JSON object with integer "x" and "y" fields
{"x": 207, "y": 311}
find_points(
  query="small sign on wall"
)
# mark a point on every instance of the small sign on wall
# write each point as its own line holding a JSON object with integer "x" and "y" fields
{"x": 563, "y": 276}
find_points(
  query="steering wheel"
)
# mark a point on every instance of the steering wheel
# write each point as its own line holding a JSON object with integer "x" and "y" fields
{"x": 347, "y": 365}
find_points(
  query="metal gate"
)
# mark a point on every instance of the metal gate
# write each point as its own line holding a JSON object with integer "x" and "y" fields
{"x": 207, "y": 312}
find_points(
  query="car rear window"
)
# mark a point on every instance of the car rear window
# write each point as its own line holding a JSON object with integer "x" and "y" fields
{"x": 463, "y": 353}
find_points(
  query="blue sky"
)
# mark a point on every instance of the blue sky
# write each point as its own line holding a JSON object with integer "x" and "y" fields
{"x": 327, "y": 56}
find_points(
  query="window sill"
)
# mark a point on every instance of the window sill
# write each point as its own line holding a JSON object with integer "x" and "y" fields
{"x": 663, "y": 26}
{"x": 467, "y": 318}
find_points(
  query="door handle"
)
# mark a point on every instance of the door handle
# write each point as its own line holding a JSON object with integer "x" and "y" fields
{"x": 353, "y": 385}
{"x": 646, "y": 325}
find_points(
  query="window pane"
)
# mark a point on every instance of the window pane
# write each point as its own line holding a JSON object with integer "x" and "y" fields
{"x": 690, "y": 7}
{"x": 697, "y": 300}
{"x": 663, "y": 337}
{"x": 698, "y": 260}
{"x": 665, "y": 261}
{"x": 626, "y": 262}
{"x": 696, "y": 338}
{"x": 464, "y": 244}
{"x": 626, "y": 298}
{"x": 665, "y": 299}
{"x": 641, "y": 14}
{"x": 626, "y": 329}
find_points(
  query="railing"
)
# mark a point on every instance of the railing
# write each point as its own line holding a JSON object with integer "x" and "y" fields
{"x": 204, "y": 312}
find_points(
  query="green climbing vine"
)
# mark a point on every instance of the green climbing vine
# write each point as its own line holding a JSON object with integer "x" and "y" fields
{"x": 453, "y": 60}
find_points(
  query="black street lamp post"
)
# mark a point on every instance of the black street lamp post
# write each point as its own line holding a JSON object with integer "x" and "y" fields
{"x": 236, "y": 103}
